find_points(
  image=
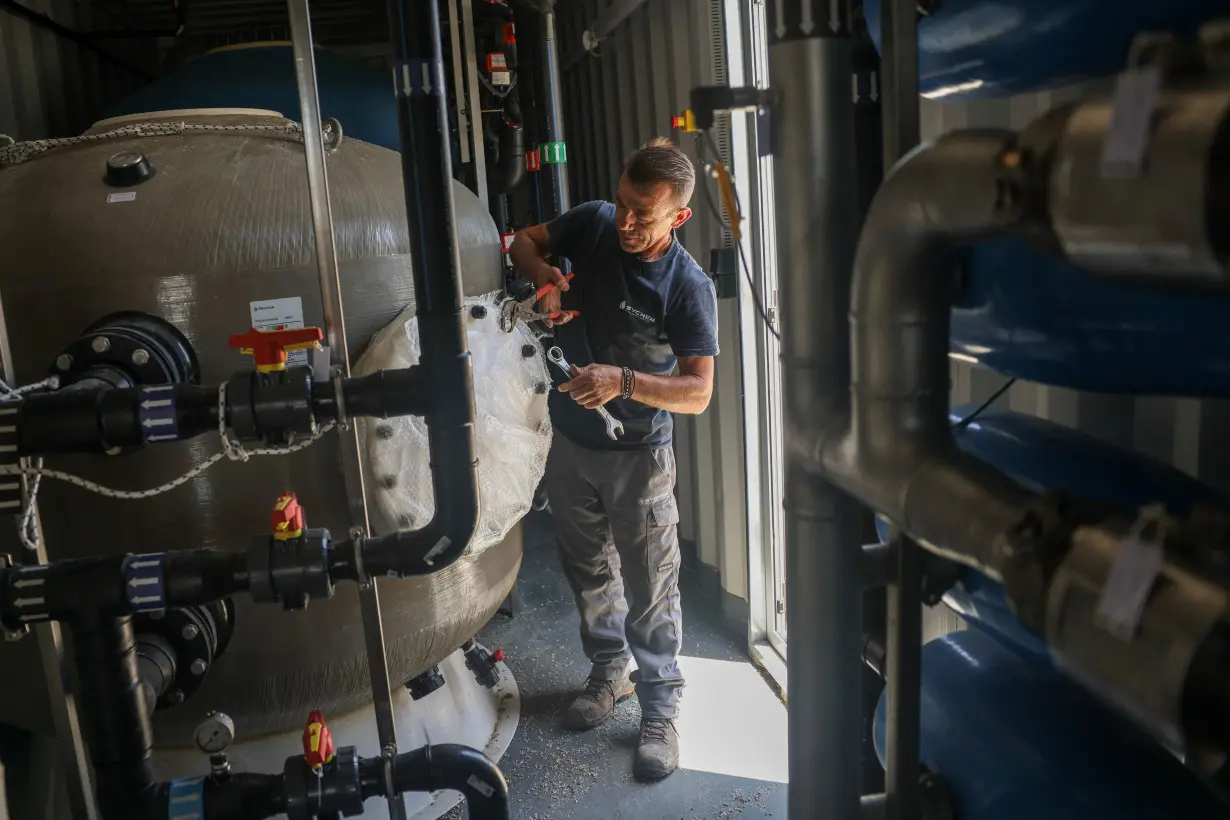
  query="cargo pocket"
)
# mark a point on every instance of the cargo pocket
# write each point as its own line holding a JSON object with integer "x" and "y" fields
{"x": 661, "y": 536}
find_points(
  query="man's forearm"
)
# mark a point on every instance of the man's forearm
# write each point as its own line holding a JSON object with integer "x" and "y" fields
{"x": 688, "y": 394}
{"x": 529, "y": 260}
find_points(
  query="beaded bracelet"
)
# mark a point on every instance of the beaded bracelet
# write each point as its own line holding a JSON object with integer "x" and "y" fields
{"x": 629, "y": 383}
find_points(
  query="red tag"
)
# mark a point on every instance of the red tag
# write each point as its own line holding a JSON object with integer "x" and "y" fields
{"x": 497, "y": 61}
{"x": 507, "y": 239}
{"x": 533, "y": 162}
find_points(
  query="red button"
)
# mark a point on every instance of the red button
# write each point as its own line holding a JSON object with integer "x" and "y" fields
{"x": 498, "y": 656}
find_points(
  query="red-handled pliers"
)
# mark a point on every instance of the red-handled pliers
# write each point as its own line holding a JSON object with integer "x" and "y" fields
{"x": 526, "y": 310}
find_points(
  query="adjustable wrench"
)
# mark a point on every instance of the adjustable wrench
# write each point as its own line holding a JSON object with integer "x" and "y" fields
{"x": 614, "y": 427}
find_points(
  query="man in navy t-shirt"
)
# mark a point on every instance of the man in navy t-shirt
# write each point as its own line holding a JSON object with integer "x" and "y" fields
{"x": 643, "y": 348}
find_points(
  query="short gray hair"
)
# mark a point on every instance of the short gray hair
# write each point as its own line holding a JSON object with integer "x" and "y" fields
{"x": 660, "y": 161}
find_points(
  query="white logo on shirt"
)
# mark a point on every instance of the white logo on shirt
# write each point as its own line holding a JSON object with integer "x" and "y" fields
{"x": 644, "y": 317}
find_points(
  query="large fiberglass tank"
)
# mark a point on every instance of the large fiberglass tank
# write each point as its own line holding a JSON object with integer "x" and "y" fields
{"x": 224, "y": 226}
{"x": 262, "y": 75}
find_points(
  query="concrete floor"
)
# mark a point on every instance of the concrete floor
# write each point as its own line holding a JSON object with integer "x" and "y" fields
{"x": 736, "y": 724}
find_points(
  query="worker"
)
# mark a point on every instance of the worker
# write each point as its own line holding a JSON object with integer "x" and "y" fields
{"x": 646, "y": 310}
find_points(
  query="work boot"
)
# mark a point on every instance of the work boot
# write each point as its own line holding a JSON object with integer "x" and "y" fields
{"x": 596, "y": 702}
{"x": 657, "y": 752}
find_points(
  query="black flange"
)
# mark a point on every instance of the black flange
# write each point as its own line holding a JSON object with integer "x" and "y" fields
{"x": 128, "y": 349}
{"x": 198, "y": 635}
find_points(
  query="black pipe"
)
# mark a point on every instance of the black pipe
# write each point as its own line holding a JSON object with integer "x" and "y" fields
{"x": 76, "y": 37}
{"x": 92, "y": 417}
{"x": 449, "y": 766}
{"x": 115, "y": 719}
{"x": 430, "y": 209}
{"x": 508, "y": 171}
{"x": 156, "y": 666}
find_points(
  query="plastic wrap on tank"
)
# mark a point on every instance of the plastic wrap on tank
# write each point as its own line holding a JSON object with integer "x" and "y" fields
{"x": 1018, "y": 741}
{"x": 995, "y": 48}
{"x": 512, "y": 426}
{"x": 1035, "y": 317}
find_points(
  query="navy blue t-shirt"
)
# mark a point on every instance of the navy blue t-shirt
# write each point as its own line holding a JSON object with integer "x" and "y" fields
{"x": 633, "y": 314}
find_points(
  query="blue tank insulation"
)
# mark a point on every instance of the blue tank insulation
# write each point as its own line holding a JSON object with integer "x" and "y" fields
{"x": 995, "y": 48}
{"x": 1017, "y": 741}
{"x": 1024, "y": 314}
{"x": 1042, "y": 456}
{"x": 263, "y": 76}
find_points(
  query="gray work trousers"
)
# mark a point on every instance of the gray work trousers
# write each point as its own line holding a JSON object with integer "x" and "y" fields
{"x": 616, "y": 527}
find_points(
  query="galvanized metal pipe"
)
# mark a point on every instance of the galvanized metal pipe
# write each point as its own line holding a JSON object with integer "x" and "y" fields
{"x": 903, "y": 678}
{"x": 817, "y": 228}
{"x": 339, "y": 355}
{"x": 553, "y": 116}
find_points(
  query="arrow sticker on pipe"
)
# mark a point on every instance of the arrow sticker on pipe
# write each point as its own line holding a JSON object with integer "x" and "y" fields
{"x": 144, "y": 582}
{"x": 186, "y": 799}
{"x": 157, "y": 414}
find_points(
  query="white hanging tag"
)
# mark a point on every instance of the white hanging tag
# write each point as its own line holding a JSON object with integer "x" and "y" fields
{"x": 1133, "y": 575}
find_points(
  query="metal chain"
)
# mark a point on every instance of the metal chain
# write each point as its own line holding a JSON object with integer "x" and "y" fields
{"x": 17, "y": 153}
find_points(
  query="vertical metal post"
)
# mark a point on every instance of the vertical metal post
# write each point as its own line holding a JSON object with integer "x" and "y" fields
{"x": 899, "y": 73}
{"x": 899, "y": 68}
{"x": 476, "y": 104}
{"x": 463, "y": 111}
{"x": 335, "y": 334}
{"x": 66, "y": 723}
{"x": 817, "y": 228}
{"x": 553, "y": 131}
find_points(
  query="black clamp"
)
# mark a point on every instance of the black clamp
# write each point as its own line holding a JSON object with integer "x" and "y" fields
{"x": 484, "y": 664}
{"x": 17, "y": 630}
{"x": 422, "y": 685}
{"x": 336, "y": 789}
{"x": 290, "y": 572}
{"x": 273, "y": 407}
{"x": 197, "y": 637}
{"x": 1035, "y": 546}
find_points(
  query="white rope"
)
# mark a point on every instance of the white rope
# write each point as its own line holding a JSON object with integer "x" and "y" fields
{"x": 15, "y": 153}
{"x": 231, "y": 449}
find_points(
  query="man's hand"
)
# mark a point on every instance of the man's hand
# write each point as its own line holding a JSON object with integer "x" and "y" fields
{"x": 551, "y": 303}
{"x": 594, "y": 385}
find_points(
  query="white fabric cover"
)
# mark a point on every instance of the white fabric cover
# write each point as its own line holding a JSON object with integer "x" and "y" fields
{"x": 513, "y": 430}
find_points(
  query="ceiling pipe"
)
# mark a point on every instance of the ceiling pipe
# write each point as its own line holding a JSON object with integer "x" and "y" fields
{"x": 603, "y": 26}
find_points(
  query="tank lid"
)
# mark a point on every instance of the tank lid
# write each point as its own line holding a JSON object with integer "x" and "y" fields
{"x": 179, "y": 113}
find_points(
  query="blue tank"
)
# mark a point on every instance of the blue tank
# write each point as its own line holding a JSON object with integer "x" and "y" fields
{"x": 1024, "y": 314}
{"x": 357, "y": 95}
{"x": 995, "y": 48}
{"x": 1042, "y": 456}
{"x": 1018, "y": 741}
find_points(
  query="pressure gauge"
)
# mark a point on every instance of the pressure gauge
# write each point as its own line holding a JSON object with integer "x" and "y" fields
{"x": 215, "y": 733}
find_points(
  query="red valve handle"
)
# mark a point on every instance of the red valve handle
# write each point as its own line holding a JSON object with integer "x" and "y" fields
{"x": 269, "y": 347}
{"x": 317, "y": 741}
{"x": 287, "y": 518}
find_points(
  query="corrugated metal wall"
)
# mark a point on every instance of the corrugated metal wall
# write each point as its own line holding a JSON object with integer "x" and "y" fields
{"x": 52, "y": 87}
{"x": 613, "y": 103}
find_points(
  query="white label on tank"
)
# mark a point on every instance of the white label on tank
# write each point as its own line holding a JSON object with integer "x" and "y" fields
{"x": 501, "y": 78}
{"x": 125, "y": 196}
{"x": 280, "y": 314}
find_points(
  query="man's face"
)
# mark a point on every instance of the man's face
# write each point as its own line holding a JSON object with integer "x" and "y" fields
{"x": 644, "y": 217}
